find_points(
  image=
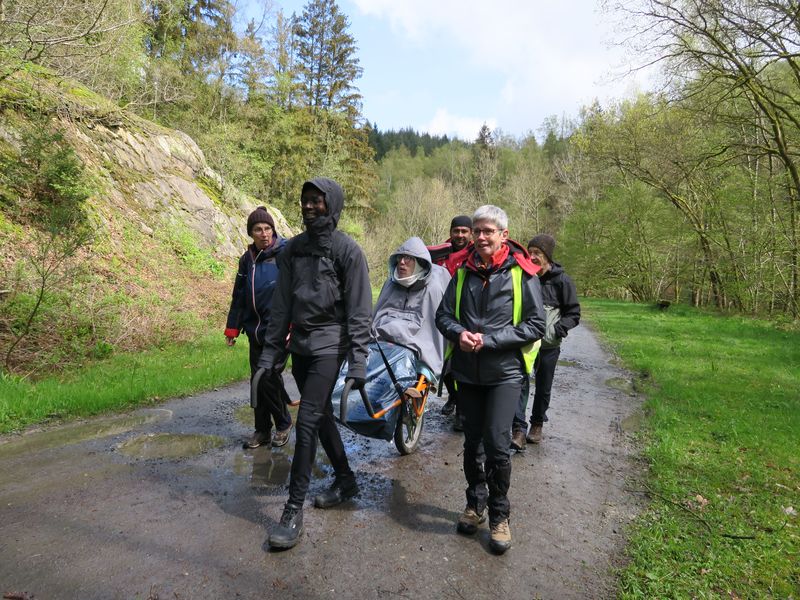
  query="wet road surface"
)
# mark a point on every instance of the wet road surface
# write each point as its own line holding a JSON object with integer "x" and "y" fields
{"x": 165, "y": 503}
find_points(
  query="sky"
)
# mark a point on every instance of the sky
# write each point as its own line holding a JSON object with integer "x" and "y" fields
{"x": 449, "y": 66}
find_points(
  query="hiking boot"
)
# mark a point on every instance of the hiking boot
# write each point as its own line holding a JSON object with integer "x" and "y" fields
{"x": 518, "y": 440}
{"x": 535, "y": 434}
{"x": 449, "y": 407}
{"x": 469, "y": 520}
{"x": 281, "y": 436}
{"x": 287, "y": 533}
{"x": 500, "y": 537}
{"x": 340, "y": 490}
{"x": 259, "y": 438}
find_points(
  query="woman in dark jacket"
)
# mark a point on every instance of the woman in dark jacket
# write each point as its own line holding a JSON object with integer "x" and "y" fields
{"x": 488, "y": 364}
{"x": 562, "y": 313}
{"x": 250, "y": 310}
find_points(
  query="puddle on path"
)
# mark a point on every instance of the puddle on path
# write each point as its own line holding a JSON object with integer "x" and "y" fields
{"x": 263, "y": 466}
{"x": 270, "y": 466}
{"x": 80, "y": 432}
{"x": 633, "y": 422}
{"x": 169, "y": 445}
{"x": 621, "y": 384}
{"x": 243, "y": 414}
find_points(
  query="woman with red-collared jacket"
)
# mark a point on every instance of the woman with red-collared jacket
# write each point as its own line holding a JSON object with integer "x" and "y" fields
{"x": 488, "y": 363}
{"x": 250, "y": 310}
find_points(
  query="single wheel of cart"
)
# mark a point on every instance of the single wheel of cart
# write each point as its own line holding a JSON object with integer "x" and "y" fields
{"x": 412, "y": 417}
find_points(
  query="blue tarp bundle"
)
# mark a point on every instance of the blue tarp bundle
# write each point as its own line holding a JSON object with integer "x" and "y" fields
{"x": 380, "y": 390}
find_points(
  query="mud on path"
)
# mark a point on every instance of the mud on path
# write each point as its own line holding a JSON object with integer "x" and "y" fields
{"x": 165, "y": 503}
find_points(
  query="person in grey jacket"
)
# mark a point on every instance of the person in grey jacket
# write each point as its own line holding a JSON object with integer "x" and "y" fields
{"x": 489, "y": 362}
{"x": 562, "y": 313}
{"x": 323, "y": 296}
{"x": 406, "y": 307}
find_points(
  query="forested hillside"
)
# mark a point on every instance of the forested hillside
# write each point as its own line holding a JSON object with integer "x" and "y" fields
{"x": 688, "y": 194}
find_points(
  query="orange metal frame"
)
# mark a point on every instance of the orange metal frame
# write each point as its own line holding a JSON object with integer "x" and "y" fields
{"x": 417, "y": 404}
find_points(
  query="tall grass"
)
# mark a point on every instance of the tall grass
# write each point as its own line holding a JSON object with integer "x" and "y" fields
{"x": 123, "y": 381}
{"x": 723, "y": 448}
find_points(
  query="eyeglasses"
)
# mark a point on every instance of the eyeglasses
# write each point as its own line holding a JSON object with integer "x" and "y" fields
{"x": 406, "y": 258}
{"x": 477, "y": 232}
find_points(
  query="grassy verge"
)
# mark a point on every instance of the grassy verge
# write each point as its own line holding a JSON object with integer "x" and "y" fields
{"x": 123, "y": 381}
{"x": 723, "y": 446}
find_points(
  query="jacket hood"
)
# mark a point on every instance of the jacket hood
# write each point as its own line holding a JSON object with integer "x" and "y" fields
{"x": 413, "y": 247}
{"x": 554, "y": 270}
{"x": 522, "y": 257}
{"x": 334, "y": 198}
{"x": 516, "y": 254}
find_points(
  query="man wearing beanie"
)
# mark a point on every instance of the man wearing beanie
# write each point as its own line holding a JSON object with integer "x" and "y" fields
{"x": 451, "y": 255}
{"x": 562, "y": 313}
{"x": 324, "y": 294}
{"x": 453, "y": 252}
{"x": 250, "y": 310}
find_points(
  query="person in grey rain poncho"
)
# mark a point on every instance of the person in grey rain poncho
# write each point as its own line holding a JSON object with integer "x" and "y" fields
{"x": 406, "y": 307}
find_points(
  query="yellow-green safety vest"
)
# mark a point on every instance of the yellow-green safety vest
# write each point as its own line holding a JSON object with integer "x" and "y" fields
{"x": 529, "y": 351}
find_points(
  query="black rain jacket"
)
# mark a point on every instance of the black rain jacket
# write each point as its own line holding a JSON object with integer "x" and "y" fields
{"x": 323, "y": 292}
{"x": 562, "y": 310}
{"x": 487, "y": 306}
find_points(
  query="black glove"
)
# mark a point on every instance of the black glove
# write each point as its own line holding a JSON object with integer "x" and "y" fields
{"x": 358, "y": 382}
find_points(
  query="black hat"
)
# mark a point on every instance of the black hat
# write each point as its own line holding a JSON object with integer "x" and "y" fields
{"x": 461, "y": 221}
{"x": 259, "y": 215}
{"x": 545, "y": 243}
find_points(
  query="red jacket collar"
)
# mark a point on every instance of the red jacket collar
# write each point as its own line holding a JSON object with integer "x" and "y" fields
{"x": 515, "y": 249}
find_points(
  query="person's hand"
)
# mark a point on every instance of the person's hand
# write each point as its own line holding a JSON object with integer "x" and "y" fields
{"x": 478, "y": 339}
{"x": 358, "y": 382}
{"x": 230, "y": 340}
{"x": 470, "y": 342}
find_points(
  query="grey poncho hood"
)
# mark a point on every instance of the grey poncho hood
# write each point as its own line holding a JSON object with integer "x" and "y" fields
{"x": 405, "y": 315}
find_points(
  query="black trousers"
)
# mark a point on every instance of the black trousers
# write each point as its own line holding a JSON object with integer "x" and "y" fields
{"x": 488, "y": 412}
{"x": 544, "y": 370}
{"x": 272, "y": 398}
{"x": 315, "y": 377}
{"x": 452, "y": 392}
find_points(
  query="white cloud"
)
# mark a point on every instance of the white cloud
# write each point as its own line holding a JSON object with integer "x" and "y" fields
{"x": 552, "y": 56}
{"x": 464, "y": 128}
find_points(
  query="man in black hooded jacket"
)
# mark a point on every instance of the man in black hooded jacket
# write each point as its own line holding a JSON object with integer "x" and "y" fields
{"x": 323, "y": 295}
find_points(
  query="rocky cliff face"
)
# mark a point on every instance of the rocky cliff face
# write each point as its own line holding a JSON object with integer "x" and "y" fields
{"x": 166, "y": 232}
{"x": 153, "y": 176}
{"x": 159, "y": 177}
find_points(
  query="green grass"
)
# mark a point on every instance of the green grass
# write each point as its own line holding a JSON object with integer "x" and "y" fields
{"x": 123, "y": 381}
{"x": 722, "y": 443}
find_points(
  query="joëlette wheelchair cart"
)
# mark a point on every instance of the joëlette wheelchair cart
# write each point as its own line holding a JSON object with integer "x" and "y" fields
{"x": 390, "y": 405}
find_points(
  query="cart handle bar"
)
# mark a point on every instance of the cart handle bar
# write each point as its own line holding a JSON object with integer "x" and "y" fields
{"x": 348, "y": 386}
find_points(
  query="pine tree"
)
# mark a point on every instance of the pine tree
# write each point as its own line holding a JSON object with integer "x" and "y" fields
{"x": 326, "y": 55}
{"x": 285, "y": 84}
